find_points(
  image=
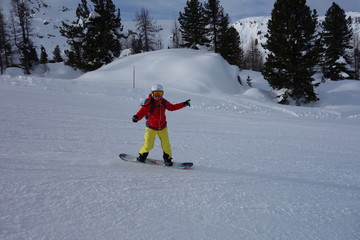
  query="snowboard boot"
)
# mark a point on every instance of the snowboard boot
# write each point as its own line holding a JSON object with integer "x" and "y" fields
{"x": 167, "y": 160}
{"x": 142, "y": 157}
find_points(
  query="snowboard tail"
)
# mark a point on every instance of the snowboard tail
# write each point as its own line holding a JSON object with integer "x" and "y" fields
{"x": 156, "y": 162}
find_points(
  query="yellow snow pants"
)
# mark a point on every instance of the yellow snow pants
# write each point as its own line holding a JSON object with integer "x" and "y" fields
{"x": 149, "y": 139}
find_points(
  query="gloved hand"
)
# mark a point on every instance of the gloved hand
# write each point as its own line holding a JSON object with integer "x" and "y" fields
{"x": 187, "y": 103}
{"x": 135, "y": 118}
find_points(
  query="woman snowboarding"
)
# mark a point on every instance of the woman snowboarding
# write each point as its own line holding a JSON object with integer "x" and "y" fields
{"x": 153, "y": 110}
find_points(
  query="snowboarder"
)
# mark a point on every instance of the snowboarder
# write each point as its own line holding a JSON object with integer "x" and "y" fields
{"x": 153, "y": 110}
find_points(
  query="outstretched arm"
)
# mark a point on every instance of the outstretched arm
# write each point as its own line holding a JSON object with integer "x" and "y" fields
{"x": 177, "y": 106}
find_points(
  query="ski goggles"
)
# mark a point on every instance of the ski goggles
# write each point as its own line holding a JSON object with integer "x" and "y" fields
{"x": 158, "y": 93}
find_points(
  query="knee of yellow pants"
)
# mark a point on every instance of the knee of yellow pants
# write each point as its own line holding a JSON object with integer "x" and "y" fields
{"x": 149, "y": 139}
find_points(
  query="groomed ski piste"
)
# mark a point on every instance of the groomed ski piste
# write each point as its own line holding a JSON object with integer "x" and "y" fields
{"x": 261, "y": 170}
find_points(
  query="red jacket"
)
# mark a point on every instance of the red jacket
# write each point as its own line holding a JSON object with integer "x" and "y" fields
{"x": 155, "y": 111}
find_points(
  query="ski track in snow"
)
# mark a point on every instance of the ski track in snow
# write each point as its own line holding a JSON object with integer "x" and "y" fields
{"x": 262, "y": 170}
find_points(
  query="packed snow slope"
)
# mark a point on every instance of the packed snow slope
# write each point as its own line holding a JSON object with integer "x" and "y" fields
{"x": 261, "y": 170}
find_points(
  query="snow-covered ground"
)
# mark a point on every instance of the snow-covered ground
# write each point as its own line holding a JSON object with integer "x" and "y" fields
{"x": 261, "y": 170}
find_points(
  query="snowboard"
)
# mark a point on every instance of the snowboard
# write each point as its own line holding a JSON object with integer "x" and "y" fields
{"x": 155, "y": 162}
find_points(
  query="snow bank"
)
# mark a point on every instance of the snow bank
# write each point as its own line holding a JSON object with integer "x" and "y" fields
{"x": 186, "y": 70}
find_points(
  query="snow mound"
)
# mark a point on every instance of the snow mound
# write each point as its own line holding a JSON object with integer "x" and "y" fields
{"x": 182, "y": 69}
{"x": 345, "y": 92}
{"x": 259, "y": 94}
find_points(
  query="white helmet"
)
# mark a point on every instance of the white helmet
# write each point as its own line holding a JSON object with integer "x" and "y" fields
{"x": 157, "y": 87}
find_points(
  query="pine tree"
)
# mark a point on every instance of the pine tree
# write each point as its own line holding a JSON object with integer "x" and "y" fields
{"x": 336, "y": 37}
{"x": 2, "y": 43}
{"x": 293, "y": 51}
{"x": 5, "y": 46}
{"x": 209, "y": 24}
{"x": 75, "y": 34}
{"x": 21, "y": 19}
{"x": 43, "y": 55}
{"x": 136, "y": 45}
{"x": 214, "y": 15}
{"x": 229, "y": 47}
{"x": 94, "y": 38}
{"x": 193, "y": 24}
{"x": 44, "y": 58}
{"x": 254, "y": 58}
{"x": 224, "y": 39}
{"x": 102, "y": 42}
{"x": 147, "y": 29}
{"x": 357, "y": 58}
{"x": 57, "y": 54}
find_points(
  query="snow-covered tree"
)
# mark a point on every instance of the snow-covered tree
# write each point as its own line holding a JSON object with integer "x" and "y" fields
{"x": 193, "y": 24}
{"x": 95, "y": 37}
{"x": 336, "y": 38}
{"x": 293, "y": 51}
{"x": 104, "y": 31}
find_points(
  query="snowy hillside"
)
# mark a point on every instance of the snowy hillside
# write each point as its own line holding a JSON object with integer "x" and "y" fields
{"x": 261, "y": 170}
{"x": 48, "y": 16}
{"x": 253, "y": 28}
